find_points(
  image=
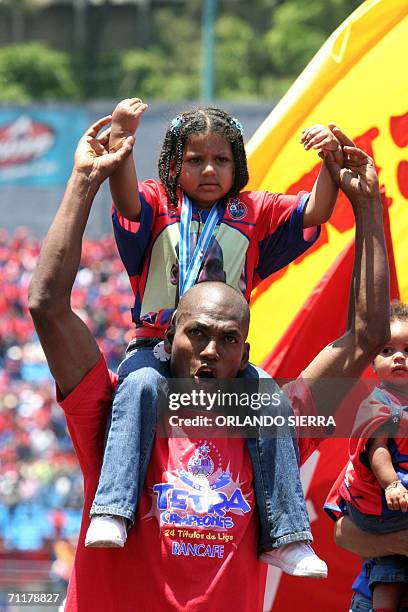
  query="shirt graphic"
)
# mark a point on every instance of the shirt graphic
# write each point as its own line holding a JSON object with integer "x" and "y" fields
{"x": 197, "y": 504}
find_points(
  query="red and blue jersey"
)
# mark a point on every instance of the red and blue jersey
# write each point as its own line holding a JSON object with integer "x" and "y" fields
{"x": 258, "y": 234}
{"x": 357, "y": 484}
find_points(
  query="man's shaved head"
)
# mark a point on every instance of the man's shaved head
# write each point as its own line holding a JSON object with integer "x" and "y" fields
{"x": 224, "y": 296}
{"x": 208, "y": 333}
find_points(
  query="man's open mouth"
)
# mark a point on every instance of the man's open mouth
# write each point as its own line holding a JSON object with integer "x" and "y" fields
{"x": 205, "y": 373}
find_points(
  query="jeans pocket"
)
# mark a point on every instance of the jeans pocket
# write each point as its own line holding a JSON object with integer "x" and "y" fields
{"x": 359, "y": 603}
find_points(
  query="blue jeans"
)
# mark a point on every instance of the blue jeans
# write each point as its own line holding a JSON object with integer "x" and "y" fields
{"x": 359, "y": 603}
{"x": 130, "y": 433}
{"x": 282, "y": 510}
{"x": 279, "y": 496}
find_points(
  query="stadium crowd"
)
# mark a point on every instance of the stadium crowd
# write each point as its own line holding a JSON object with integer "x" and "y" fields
{"x": 40, "y": 483}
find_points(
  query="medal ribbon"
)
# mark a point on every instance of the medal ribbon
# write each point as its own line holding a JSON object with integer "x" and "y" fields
{"x": 190, "y": 268}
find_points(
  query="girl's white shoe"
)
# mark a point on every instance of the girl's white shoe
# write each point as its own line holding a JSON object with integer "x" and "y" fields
{"x": 106, "y": 531}
{"x": 297, "y": 559}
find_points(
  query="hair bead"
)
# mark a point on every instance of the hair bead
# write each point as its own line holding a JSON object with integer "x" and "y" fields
{"x": 175, "y": 124}
{"x": 237, "y": 125}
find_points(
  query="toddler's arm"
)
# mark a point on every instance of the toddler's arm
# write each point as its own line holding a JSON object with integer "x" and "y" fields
{"x": 123, "y": 183}
{"x": 381, "y": 465}
{"x": 324, "y": 192}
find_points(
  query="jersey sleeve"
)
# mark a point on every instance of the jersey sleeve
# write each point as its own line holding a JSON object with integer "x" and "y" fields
{"x": 335, "y": 506}
{"x": 283, "y": 238}
{"x": 86, "y": 409}
{"x": 132, "y": 238}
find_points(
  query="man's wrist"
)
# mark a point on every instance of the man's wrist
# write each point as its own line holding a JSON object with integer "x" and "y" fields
{"x": 85, "y": 181}
{"x": 370, "y": 201}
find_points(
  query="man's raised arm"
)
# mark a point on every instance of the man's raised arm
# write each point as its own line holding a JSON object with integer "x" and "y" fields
{"x": 69, "y": 346}
{"x": 368, "y": 322}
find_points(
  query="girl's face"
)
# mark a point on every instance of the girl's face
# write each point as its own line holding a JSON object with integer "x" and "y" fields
{"x": 207, "y": 171}
{"x": 391, "y": 364}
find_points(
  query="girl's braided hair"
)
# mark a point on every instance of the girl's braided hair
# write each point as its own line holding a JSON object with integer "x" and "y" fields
{"x": 201, "y": 121}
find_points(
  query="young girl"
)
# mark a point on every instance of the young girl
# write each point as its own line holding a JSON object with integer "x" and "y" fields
{"x": 376, "y": 480}
{"x": 198, "y": 225}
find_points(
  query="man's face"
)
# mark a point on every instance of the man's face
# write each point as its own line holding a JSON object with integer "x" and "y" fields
{"x": 209, "y": 342}
{"x": 391, "y": 364}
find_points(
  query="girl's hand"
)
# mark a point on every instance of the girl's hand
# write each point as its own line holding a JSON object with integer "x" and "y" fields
{"x": 319, "y": 137}
{"x": 126, "y": 117}
{"x": 322, "y": 139}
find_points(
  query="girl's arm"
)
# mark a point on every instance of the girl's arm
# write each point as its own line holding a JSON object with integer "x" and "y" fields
{"x": 123, "y": 183}
{"x": 324, "y": 193}
{"x": 381, "y": 465}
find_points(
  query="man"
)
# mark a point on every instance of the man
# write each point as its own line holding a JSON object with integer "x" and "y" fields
{"x": 192, "y": 548}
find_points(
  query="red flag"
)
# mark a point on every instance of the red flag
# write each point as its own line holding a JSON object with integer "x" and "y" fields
{"x": 316, "y": 325}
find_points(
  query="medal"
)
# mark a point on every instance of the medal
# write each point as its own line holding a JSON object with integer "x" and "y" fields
{"x": 160, "y": 352}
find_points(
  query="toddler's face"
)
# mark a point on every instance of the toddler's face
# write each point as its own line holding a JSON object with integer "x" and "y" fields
{"x": 207, "y": 171}
{"x": 391, "y": 364}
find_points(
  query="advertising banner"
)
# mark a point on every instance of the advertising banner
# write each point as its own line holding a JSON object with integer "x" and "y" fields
{"x": 36, "y": 146}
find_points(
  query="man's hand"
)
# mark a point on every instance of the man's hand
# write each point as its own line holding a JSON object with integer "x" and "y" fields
{"x": 125, "y": 120}
{"x": 358, "y": 177}
{"x": 397, "y": 497}
{"x": 92, "y": 157}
